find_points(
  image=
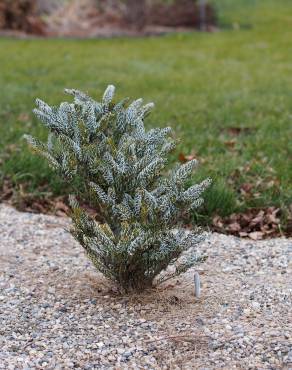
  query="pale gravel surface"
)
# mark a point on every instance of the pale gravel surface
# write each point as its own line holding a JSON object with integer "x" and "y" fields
{"x": 58, "y": 313}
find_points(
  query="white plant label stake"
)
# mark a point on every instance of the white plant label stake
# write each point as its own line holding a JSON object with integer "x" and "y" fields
{"x": 197, "y": 285}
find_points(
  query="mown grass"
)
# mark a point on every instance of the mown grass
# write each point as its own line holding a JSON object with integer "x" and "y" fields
{"x": 227, "y": 95}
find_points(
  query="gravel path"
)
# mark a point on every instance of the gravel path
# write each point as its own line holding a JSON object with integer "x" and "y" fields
{"x": 58, "y": 313}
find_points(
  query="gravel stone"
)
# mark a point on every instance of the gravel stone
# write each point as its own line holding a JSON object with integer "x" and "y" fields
{"x": 57, "y": 312}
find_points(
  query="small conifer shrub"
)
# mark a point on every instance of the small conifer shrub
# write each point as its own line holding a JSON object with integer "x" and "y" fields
{"x": 104, "y": 151}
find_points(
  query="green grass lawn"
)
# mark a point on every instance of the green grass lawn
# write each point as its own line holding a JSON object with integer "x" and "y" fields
{"x": 227, "y": 95}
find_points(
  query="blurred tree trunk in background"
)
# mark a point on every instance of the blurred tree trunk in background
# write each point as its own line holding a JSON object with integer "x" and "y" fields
{"x": 136, "y": 13}
{"x": 202, "y": 12}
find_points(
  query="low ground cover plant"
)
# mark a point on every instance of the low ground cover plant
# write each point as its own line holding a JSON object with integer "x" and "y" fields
{"x": 104, "y": 151}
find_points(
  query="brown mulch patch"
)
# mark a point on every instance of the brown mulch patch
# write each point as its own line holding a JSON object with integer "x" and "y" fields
{"x": 24, "y": 201}
{"x": 255, "y": 223}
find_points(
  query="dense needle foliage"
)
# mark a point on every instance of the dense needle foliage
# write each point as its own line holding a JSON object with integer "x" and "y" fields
{"x": 103, "y": 149}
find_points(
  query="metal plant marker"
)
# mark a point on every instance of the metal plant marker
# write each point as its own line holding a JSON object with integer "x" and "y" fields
{"x": 202, "y": 12}
{"x": 197, "y": 285}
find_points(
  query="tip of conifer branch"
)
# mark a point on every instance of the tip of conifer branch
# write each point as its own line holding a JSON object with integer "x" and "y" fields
{"x": 68, "y": 91}
{"x": 73, "y": 201}
{"x": 26, "y": 137}
{"x": 108, "y": 94}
